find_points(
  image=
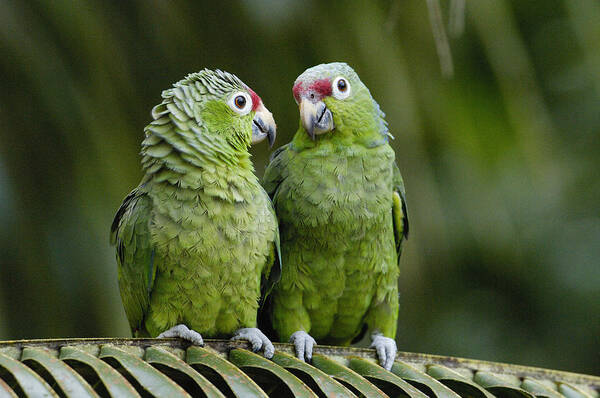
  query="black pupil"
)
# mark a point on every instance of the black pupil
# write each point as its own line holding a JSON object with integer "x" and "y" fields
{"x": 240, "y": 101}
{"x": 342, "y": 85}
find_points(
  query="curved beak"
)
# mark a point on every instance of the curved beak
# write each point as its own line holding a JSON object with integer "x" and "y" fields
{"x": 316, "y": 118}
{"x": 263, "y": 125}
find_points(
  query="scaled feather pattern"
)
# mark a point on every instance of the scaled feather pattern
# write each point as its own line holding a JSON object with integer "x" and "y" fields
{"x": 197, "y": 239}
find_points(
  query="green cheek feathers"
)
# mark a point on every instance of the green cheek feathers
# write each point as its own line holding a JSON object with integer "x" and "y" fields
{"x": 227, "y": 124}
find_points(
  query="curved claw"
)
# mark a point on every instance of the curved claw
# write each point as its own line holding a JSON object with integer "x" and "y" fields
{"x": 304, "y": 344}
{"x": 386, "y": 349}
{"x": 183, "y": 332}
{"x": 257, "y": 339}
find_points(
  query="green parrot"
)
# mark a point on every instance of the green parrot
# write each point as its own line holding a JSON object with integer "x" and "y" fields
{"x": 197, "y": 239}
{"x": 340, "y": 201}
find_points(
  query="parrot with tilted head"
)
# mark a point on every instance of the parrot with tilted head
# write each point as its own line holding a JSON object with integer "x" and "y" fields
{"x": 197, "y": 241}
{"x": 340, "y": 201}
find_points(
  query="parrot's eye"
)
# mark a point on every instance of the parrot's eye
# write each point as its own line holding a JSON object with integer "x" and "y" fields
{"x": 341, "y": 88}
{"x": 241, "y": 103}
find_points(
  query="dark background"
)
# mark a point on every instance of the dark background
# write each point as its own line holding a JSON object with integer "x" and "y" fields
{"x": 501, "y": 162}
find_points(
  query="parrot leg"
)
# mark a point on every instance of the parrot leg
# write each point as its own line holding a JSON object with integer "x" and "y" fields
{"x": 257, "y": 339}
{"x": 386, "y": 349}
{"x": 304, "y": 344}
{"x": 183, "y": 332}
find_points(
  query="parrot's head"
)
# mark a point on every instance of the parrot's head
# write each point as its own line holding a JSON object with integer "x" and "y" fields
{"x": 332, "y": 98}
{"x": 222, "y": 107}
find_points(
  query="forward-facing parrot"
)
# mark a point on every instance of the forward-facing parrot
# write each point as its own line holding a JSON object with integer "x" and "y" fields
{"x": 196, "y": 241}
{"x": 340, "y": 201}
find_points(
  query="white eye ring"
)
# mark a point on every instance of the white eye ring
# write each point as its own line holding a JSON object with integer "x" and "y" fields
{"x": 340, "y": 87}
{"x": 240, "y": 103}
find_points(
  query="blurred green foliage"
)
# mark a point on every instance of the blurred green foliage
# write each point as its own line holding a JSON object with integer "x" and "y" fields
{"x": 500, "y": 162}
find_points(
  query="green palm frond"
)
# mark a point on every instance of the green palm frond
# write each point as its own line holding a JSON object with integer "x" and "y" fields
{"x": 173, "y": 368}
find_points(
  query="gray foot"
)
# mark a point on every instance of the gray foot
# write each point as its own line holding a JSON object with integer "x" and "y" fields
{"x": 183, "y": 332}
{"x": 257, "y": 339}
{"x": 386, "y": 349}
{"x": 304, "y": 344}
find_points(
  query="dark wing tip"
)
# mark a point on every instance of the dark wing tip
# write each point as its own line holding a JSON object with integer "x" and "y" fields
{"x": 405, "y": 224}
{"x": 117, "y": 220}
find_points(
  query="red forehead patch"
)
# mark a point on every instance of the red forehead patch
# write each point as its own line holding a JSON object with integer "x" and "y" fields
{"x": 296, "y": 91}
{"x": 321, "y": 86}
{"x": 256, "y": 101}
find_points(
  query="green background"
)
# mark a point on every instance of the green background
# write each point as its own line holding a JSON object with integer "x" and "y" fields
{"x": 501, "y": 162}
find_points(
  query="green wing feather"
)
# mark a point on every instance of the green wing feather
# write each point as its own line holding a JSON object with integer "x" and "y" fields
{"x": 399, "y": 212}
{"x": 274, "y": 174}
{"x": 135, "y": 256}
{"x": 271, "y": 180}
{"x": 272, "y": 271}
